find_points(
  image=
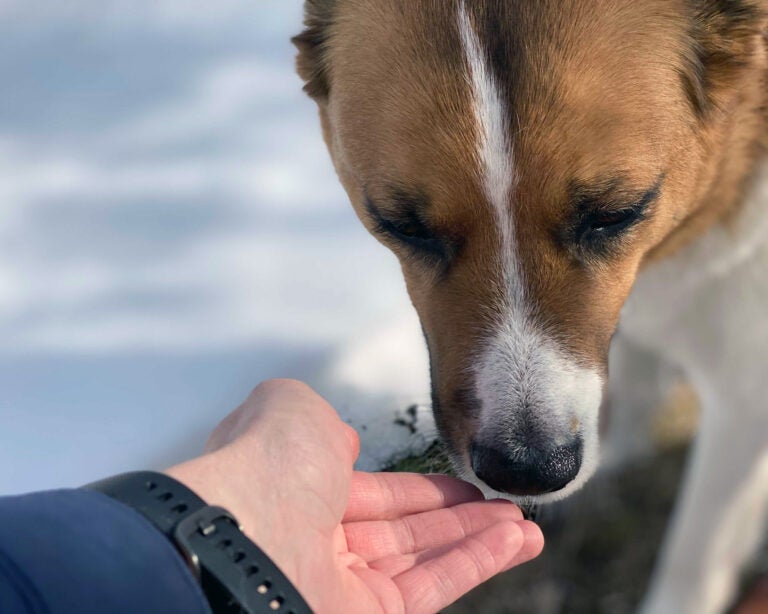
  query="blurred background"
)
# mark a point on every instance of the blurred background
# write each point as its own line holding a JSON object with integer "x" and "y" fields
{"x": 171, "y": 233}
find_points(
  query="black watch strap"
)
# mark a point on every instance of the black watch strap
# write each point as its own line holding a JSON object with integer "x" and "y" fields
{"x": 163, "y": 500}
{"x": 235, "y": 574}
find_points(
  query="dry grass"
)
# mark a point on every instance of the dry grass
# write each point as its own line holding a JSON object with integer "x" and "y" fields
{"x": 601, "y": 543}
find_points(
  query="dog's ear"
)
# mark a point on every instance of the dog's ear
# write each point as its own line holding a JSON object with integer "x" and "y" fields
{"x": 726, "y": 36}
{"x": 311, "y": 43}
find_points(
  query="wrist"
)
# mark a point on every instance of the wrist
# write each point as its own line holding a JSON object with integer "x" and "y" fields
{"x": 235, "y": 574}
{"x": 215, "y": 478}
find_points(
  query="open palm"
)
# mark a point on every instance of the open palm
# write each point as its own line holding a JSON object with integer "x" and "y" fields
{"x": 420, "y": 542}
{"x": 351, "y": 542}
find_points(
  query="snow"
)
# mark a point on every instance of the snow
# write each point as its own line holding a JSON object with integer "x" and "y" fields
{"x": 172, "y": 232}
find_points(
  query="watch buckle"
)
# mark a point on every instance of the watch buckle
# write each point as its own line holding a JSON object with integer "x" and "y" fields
{"x": 202, "y": 521}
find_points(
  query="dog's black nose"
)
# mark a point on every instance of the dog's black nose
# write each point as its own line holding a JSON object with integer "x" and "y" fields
{"x": 527, "y": 471}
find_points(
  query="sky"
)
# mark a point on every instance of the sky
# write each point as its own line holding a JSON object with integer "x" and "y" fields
{"x": 172, "y": 232}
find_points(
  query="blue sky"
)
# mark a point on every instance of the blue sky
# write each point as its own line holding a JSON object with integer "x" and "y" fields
{"x": 171, "y": 233}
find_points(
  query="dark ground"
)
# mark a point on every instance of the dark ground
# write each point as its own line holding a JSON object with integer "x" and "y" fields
{"x": 601, "y": 545}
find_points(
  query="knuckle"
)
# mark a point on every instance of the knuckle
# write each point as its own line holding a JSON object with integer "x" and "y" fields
{"x": 277, "y": 386}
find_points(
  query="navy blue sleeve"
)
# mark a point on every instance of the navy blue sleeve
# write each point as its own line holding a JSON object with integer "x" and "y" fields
{"x": 80, "y": 551}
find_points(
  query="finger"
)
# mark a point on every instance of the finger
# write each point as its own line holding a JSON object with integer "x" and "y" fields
{"x": 384, "y": 594}
{"x": 441, "y": 579}
{"x": 532, "y": 546}
{"x": 382, "y": 496}
{"x": 394, "y": 565}
{"x": 354, "y": 441}
{"x": 376, "y": 539}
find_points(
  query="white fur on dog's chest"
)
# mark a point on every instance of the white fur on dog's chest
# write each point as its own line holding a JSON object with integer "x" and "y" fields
{"x": 713, "y": 292}
{"x": 705, "y": 309}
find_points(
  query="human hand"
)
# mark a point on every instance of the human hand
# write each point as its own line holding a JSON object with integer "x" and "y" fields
{"x": 383, "y": 543}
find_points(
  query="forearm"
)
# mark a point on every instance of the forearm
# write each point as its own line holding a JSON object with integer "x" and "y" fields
{"x": 80, "y": 551}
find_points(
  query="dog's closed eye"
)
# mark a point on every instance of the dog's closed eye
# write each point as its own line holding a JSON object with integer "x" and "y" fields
{"x": 406, "y": 230}
{"x": 613, "y": 221}
{"x": 413, "y": 235}
{"x": 402, "y": 226}
{"x": 602, "y": 225}
{"x": 604, "y": 214}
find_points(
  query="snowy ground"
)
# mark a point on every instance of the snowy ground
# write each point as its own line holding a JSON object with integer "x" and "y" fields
{"x": 171, "y": 233}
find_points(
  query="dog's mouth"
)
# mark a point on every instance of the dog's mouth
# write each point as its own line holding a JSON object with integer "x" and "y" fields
{"x": 530, "y": 511}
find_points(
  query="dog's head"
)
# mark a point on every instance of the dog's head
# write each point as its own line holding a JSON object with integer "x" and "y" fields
{"x": 523, "y": 159}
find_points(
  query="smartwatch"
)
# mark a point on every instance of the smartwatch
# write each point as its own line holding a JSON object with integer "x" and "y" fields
{"x": 235, "y": 574}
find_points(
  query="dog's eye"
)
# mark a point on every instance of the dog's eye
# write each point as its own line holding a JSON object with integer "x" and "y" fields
{"x": 410, "y": 230}
{"x": 415, "y": 236}
{"x": 405, "y": 227}
{"x": 613, "y": 221}
{"x": 599, "y": 230}
{"x": 604, "y": 216}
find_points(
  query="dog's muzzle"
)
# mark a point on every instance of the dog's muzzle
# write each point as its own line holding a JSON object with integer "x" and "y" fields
{"x": 526, "y": 471}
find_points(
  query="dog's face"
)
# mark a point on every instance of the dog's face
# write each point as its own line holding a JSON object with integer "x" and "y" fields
{"x": 523, "y": 159}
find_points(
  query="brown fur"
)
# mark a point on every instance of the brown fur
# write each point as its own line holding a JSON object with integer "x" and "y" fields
{"x": 600, "y": 92}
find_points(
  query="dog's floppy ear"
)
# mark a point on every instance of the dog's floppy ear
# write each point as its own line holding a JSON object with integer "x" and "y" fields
{"x": 311, "y": 43}
{"x": 726, "y": 35}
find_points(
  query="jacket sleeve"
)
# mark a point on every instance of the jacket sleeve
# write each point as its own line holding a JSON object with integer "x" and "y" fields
{"x": 80, "y": 551}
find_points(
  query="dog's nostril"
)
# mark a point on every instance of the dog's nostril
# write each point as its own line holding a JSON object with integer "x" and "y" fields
{"x": 526, "y": 472}
{"x": 564, "y": 463}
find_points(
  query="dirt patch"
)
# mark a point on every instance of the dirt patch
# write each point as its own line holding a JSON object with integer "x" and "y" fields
{"x": 601, "y": 544}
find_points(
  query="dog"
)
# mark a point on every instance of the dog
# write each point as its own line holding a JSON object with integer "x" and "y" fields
{"x": 550, "y": 171}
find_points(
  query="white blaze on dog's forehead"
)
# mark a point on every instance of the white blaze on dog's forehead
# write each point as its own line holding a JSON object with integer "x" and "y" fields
{"x": 494, "y": 147}
{"x": 521, "y": 371}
